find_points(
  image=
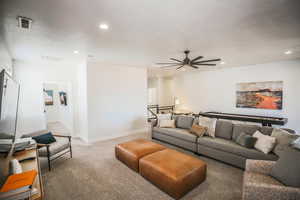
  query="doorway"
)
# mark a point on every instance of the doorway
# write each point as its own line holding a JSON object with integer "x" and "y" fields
{"x": 58, "y": 107}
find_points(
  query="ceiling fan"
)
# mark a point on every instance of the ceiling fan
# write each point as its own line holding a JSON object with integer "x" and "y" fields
{"x": 195, "y": 63}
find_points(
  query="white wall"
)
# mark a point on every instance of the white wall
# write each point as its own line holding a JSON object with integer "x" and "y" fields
{"x": 81, "y": 110}
{"x": 58, "y": 112}
{"x": 117, "y": 100}
{"x": 164, "y": 87}
{"x": 216, "y": 90}
{"x": 32, "y": 76}
{"x": 5, "y": 58}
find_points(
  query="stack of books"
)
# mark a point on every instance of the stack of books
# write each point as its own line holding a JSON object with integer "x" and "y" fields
{"x": 19, "y": 186}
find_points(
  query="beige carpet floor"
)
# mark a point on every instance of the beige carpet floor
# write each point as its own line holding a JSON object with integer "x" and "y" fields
{"x": 94, "y": 174}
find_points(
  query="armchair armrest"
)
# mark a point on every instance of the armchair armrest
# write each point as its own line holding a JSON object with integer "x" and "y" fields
{"x": 259, "y": 166}
{"x": 269, "y": 192}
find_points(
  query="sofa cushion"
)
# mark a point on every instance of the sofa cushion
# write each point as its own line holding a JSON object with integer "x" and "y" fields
{"x": 231, "y": 147}
{"x": 185, "y": 122}
{"x": 224, "y": 129}
{"x": 166, "y": 123}
{"x": 160, "y": 117}
{"x": 246, "y": 128}
{"x": 210, "y": 123}
{"x": 198, "y": 130}
{"x": 246, "y": 140}
{"x": 266, "y": 130}
{"x": 283, "y": 140}
{"x": 60, "y": 144}
{"x": 264, "y": 143}
{"x": 286, "y": 169}
{"x": 178, "y": 133}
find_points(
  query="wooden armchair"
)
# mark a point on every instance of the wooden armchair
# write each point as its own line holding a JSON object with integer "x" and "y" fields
{"x": 54, "y": 150}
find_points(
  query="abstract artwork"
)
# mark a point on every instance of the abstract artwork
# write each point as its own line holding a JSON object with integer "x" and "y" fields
{"x": 260, "y": 95}
{"x": 63, "y": 98}
{"x": 48, "y": 96}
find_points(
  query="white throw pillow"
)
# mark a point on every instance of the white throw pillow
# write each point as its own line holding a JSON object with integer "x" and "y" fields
{"x": 210, "y": 124}
{"x": 160, "y": 117}
{"x": 166, "y": 123}
{"x": 264, "y": 143}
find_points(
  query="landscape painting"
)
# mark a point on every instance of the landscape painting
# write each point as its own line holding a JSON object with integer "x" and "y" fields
{"x": 48, "y": 97}
{"x": 260, "y": 95}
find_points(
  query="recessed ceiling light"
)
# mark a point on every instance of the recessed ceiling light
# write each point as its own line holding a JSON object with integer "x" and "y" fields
{"x": 288, "y": 52}
{"x": 103, "y": 26}
{"x": 76, "y": 52}
{"x": 222, "y": 63}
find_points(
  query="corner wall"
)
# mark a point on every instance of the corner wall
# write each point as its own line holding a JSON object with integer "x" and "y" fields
{"x": 117, "y": 100}
{"x": 216, "y": 90}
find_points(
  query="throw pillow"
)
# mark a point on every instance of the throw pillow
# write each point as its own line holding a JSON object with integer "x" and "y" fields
{"x": 286, "y": 169}
{"x": 46, "y": 138}
{"x": 283, "y": 138}
{"x": 198, "y": 130}
{"x": 165, "y": 123}
{"x": 210, "y": 123}
{"x": 296, "y": 143}
{"x": 162, "y": 117}
{"x": 246, "y": 140}
{"x": 264, "y": 143}
{"x": 184, "y": 122}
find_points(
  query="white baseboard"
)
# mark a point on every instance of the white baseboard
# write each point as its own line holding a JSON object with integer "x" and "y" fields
{"x": 121, "y": 135}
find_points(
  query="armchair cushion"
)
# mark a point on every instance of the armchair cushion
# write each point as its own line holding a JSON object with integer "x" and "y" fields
{"x": 61, "y": 144}
{"x": 46, "y": 138}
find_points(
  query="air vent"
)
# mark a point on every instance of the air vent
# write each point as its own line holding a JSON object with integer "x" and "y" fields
{"x": 24, "y": 22}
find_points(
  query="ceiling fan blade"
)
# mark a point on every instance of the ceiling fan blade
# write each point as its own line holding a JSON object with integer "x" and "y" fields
{"x": 205, "y": 64}
{"x": 176, "y": 60}
{"x": 199, "y": 57}
{"x": 204, "y": 61}
{"x": 194, "y": 66}
{"x": 167, "y": 63}
{"x": 179, "y": 67}
{"x": 170, "y": 66}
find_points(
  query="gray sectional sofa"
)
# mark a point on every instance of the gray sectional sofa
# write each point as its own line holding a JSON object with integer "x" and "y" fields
{"x": 222, "y": 147}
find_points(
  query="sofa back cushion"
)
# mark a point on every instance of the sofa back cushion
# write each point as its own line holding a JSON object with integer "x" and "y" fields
{"x": 224, "y": 129}
{"x": 185, "y": 122}
{"x": 283, "y": 140}
{"x": 244, "y": 128}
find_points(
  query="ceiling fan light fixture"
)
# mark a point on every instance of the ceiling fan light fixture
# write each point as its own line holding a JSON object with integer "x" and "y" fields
{"x": 187, "y": 62}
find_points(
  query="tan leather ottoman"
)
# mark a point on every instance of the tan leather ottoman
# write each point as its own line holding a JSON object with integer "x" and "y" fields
{"x": 173, "y": 172}
{"x": 130, "y": 152}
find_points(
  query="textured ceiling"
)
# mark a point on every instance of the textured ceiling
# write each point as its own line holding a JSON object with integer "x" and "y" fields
{"x": 143, "y": 32}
